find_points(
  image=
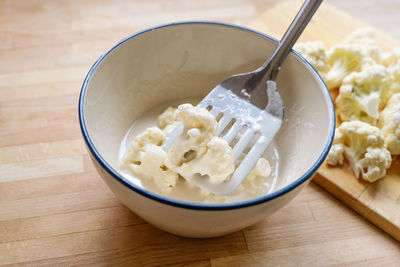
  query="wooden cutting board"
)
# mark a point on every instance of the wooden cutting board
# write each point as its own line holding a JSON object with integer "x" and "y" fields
{"x": 379, "y": 202}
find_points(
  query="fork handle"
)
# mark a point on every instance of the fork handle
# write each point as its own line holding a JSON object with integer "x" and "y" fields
{"x": 269, "y": 70}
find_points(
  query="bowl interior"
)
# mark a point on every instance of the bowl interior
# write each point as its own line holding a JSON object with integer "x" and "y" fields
{"x": 186, "y": 61}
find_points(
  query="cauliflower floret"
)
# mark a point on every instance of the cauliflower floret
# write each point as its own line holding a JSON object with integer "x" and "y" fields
{"x": 217, "y": 162}
{"x": 392, "y": 58}
{"x": 335, "y": 156}
{"x": 257, "y": 175}
{"x": 200, "y": 127}
{"x": 389, "y": 122}
{"x": 359, "y": 95}
{"x": 375, "y": 163}
{"x": 168, "y": 117}
{"x": 315, "y": 53}
{"x": 151, "y": 136}
{"x": 262, "y": 169}
{"x": 364, "y": 38}
{"x": 364, "y": 148}
{"x": 344, "y": 59}
{"x": 393, "y": 86}
{"x": 146, "y": 159}
{"x": 198, "y": 150}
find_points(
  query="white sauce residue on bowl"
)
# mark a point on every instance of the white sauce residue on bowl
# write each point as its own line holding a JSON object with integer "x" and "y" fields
{"x": 183, "y": 189}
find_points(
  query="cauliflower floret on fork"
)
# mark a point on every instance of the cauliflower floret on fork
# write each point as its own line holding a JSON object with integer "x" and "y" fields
{"x": 145, "y": 158}
{"x": 364, "y": 147}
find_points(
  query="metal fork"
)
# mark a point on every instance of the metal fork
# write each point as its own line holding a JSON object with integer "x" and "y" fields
{"x": 249, "y": 102}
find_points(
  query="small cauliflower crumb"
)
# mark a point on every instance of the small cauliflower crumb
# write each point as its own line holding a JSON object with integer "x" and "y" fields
{"x": 389, "y": 123}
{"x": 364, "y": 147}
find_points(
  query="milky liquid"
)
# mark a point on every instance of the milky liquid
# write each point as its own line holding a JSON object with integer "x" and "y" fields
{"x": 183, "y": 189}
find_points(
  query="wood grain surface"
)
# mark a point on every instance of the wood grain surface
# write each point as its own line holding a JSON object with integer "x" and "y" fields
{"x": 54, "y": 208}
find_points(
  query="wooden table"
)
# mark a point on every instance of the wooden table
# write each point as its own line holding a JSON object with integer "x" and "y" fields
{"x": 55, "y": 210}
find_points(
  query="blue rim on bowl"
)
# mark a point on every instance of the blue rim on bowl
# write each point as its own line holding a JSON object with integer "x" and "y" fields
{"x": 192, "y": 205}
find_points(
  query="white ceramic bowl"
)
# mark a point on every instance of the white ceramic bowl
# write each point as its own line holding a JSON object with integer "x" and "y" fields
{"x": 186, "y": 60}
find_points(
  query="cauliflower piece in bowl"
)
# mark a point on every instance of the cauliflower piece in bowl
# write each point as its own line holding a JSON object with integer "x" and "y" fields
{"x": 257, "y": 175}
{"x": 198, "y": 150}
{"x": 359, "y": 95}
{"x": 389, "y": 123}
{"x": 168, "y": 117}
{"x": 145, "y": 158}
{"x": 364, "y": 147}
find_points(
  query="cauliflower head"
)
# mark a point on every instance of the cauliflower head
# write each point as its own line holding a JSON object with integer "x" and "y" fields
{"x": 364, "y": 148}
{"x": 389, "y": 123}
{"x": 315, "y": 53}
{"x": 359, "y": 95}
{"x": 364, "y": 39}
{"x": 344, "y": 59}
